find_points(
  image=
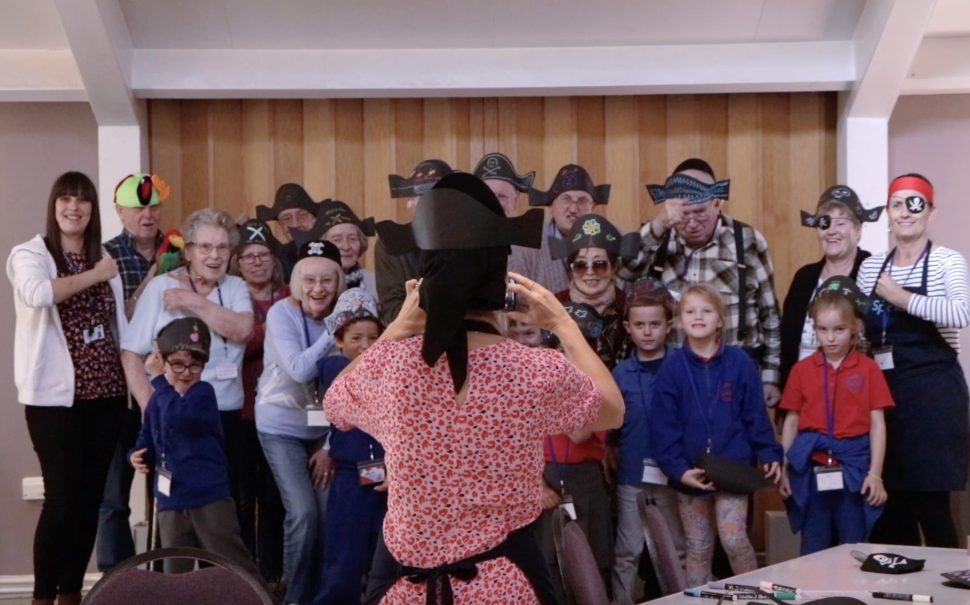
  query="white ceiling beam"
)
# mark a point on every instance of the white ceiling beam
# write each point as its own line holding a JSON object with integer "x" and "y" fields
{"x": 762, "y": 67}
{"x": 98, "y": 37}
{"x": 888, "y": 35}
{"x": 40, "y": 75}
{"x": 941, "y": 66}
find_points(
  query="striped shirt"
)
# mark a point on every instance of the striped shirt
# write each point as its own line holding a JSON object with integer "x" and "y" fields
{"x": 947, "y": 299}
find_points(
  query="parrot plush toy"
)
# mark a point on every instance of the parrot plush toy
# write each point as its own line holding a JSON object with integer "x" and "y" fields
{"x": 169, "y": 255}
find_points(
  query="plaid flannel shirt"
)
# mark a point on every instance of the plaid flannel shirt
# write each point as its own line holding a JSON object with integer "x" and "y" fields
{"x": 716, "y": 263}
{"x": 132, "y": 266}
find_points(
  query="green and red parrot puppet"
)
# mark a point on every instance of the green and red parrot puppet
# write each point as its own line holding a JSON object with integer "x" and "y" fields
{"x": 169, "y": 255}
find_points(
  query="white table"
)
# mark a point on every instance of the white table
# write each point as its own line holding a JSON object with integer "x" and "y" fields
{"x": 835, "y": 569}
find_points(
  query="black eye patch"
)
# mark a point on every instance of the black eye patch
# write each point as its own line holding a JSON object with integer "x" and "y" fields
{"x": 823, "y": 222}
{"x": 916, "y": 204}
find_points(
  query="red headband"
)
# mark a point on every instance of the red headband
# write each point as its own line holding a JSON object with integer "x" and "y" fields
{"x": 913, "y": 183}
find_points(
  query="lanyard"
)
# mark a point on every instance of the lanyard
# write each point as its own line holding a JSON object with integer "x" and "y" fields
{"x": 884, "y": 317}
{"x": 225, "y": 344}
{"x": 560, "y": 470}
{"x": 708, "y": 416}
{"x": 830, "y": 405}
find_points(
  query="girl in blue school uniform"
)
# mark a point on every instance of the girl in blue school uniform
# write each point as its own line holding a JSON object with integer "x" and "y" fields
{"x": 835, "y": 432}
{"x": 709, "y": 398}
{"x": 357, "y": 501}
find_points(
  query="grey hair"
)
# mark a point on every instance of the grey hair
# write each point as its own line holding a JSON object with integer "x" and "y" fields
{"x": 360, "y": 236}
{"x": 210, "y": 217}
{"x": 830, "y": 205}
{"x": 296, "y": 281}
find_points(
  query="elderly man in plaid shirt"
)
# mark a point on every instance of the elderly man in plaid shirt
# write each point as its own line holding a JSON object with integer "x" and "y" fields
{"x": 691, "y": 241}
{"x": 138, "y": 203}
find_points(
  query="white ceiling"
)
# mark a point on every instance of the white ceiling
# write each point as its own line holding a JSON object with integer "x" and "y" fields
{"x": 380, "y": 24}
{"x": 68, "y": 49}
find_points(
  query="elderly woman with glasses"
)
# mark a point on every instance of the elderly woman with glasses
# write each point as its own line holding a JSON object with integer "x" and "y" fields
{"x": 200, "y": 289}
{"x": 293, "y": 439}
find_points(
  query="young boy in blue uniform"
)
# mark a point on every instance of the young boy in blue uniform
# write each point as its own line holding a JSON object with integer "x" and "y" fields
{"x": 649, "y": 318}
{"x": 181, "y": 437}
{"x": 357, "y": 502}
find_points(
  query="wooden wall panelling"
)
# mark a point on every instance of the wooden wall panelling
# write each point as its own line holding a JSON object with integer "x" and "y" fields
{"x": 379, "y": 157}
{"x": 225, "y": 153}
{"x": 287, "y": 124}
{"x": 349, "y": 152}
{"x": 778, "y": 150}
{"x": 165, "y": 151}
{"x": 622, "y": 162}
{"x": 196, "y": 190}
{"x": 319, "y": 148}
{"x": 652, "y": 134}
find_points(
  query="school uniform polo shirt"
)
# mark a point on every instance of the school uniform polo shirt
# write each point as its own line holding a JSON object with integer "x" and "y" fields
{"x": 856, "y": 388}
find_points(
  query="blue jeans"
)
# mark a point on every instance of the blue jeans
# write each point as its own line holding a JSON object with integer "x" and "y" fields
{"x": 115, "y": 543}
{"x": 831, "y": 518}
{"x": 306, "y": 510}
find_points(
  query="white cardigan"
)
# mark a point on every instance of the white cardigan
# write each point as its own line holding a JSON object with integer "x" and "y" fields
{"x": 43, "y": 369}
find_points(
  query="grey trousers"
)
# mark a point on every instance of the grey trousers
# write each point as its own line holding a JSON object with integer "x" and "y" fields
{"x": 629, "y": 535}
{"x": 213, "y": 527}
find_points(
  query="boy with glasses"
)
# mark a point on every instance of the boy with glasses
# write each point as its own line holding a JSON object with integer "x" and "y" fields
{"x": 181, "y": 439}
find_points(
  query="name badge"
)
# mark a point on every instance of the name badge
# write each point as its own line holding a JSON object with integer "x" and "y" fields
{"x": 315, "y": 416}
{"x": 226, "y": 371}
{"x": 652, "y": 473}
{"x": 93, "y": 334}
{"x": 164, "y": 481}
{"x": 568, "y": 506}
{"x": 829, "y": 478}
{"x": 371, "y": 472}
{"x": 884, "y": 358}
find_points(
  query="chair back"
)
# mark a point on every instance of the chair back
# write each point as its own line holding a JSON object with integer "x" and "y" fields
{"x": 227, "y": 582}
{"x": 580, "y": 574}
{"x": 660, "y": 545}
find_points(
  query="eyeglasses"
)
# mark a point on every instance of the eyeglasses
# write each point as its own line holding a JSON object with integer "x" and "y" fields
{"x": 582, "y": 204}
{"x": 311, "y": 281}
{"x": 251, "y": 257}
{"x": 600, "y": 267}
{"x": 179, "y": 368}
{"x": 207, "y": 249}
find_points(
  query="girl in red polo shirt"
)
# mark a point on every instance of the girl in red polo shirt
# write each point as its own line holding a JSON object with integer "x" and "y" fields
{"x": 835, "y": 432}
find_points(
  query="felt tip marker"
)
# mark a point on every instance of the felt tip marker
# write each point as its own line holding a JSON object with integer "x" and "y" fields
{"x": 898, "y": 596}
{"x": 777, "y": 587}
{"x": 707, "y": 594}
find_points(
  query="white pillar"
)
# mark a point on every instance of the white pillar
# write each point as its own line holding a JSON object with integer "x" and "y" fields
{"x": 863, "y": 164}
{"x": 122, "y": 150}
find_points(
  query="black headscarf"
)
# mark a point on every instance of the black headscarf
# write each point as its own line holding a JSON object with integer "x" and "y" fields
{"x": 464, "y": 238}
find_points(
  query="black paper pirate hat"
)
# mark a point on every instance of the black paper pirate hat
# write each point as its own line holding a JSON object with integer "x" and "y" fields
{"x": 589, "y": 321}
{"x": 686, "y": 187}
{"x": 594, "y": 231}
{"x": 335, "y": 212}
{"x": 498, "y": 166}
{"x": 184, "y": 334}
{"x": 730, "y": 475}
{"x": 570, "y": 177}
{"x": 844, "y": 195}
{"x": 422, "y": 179}
{"x": 309, "y": 247}
{"x": 463, "y": 237}
{"x": 891, "y": 563}
{"x": 288, "y": 196}
{"x": 448, "y": 218}
{"x": 256, "y": 231}
{"x": 842, "y": 285}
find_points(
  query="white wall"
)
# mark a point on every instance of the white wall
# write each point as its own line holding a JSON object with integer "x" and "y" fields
{"x": 38, "y": 142}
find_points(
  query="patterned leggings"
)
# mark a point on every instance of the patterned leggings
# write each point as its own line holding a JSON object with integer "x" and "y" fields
{"x": 730, "y": 512}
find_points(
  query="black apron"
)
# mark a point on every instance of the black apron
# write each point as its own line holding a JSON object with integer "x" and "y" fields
{"x": 521, "y": 547}
{"x": 927, "y": 431}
